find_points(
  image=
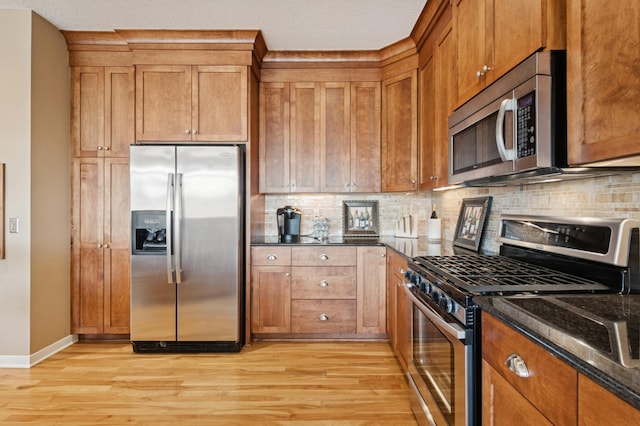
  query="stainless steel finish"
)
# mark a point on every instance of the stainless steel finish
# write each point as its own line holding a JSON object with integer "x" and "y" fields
{"x": 619, "y": 244}
{"x": 517, "y": 366}
{"x": 193, "y": 293}
{"x": 429, "y": 403}
{"x": 451, "y": 330}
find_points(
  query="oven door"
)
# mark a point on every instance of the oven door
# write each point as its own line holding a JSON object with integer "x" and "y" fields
{"x": 441, "y": 369}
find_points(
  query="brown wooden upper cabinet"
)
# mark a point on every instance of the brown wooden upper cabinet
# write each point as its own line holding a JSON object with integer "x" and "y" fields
{"x": 437, "y": 95}
{"x": 603, "y": 77}
{"x": 102, "y": 111}
{"x": 319, "y": 137}
{"x": 183, "y": 103}
{"x": 492, "y": 36}
{"x": 400, "y": 132}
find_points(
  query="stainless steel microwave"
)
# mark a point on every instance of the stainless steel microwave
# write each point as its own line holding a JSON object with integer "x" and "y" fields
{"x": 517, "y": 124}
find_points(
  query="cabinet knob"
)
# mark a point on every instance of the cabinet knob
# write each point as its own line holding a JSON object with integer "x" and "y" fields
{"x": 323, "y": 283}
{"x": 106, "y": 148}
{"x": 272, "y": 257}
{"x": 195, "y": 132}
{"x": 287, "y": 274}
{"x": 324, "y": 317}
{"x": 99, "y": 245}
{"x": 105, "y": 246}
{"x": 346, "y": 185}
{"x": 99, "y": 148}
{"x": 383, "y": 254}
{"x": 187, "y": 132}
{"x": 517, "y": 366}
{"x": 323, "y": 257}
{"x": 486, "y": 68}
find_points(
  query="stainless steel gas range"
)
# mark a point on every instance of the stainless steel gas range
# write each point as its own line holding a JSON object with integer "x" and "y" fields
{"x": 538, "y": 256}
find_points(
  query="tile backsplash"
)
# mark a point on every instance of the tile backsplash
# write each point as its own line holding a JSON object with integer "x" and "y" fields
{"x": 611, "y": 196}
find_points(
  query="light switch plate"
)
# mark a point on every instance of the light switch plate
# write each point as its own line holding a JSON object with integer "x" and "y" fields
{"x": 14, "y": 223}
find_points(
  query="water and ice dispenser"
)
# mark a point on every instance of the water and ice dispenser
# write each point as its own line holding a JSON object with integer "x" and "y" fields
{"x": 149, "y": 232}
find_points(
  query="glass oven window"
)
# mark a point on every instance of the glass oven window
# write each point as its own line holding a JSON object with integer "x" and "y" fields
{"x": 433, "y": 356}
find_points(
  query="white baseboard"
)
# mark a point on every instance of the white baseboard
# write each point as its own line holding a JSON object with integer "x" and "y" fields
{"x": 28, "y": 361}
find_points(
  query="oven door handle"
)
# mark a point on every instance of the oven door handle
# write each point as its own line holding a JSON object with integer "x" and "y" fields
{"x": 452, "y": 330}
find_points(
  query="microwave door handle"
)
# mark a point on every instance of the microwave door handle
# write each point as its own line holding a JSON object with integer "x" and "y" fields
{"x": 169, "y": 225}
{"x": 505, "y": 155}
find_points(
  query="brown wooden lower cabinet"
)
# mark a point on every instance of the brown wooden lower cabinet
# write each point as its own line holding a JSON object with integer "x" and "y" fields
{"x": 100, "y": 246}
{"x": 553, "y": 393}
{"x": 318, "y": 292}
{"x": 397, "y": 307}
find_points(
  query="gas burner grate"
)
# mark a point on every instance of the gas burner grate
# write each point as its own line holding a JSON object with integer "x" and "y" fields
{"x": 499, "y": 274}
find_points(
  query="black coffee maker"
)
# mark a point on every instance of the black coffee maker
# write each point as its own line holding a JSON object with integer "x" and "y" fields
{"x": 288, "y": 224}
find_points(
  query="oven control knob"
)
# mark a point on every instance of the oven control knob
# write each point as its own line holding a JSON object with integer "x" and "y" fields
{"x": 435, "y": 296}
{"x": 425, "y": 286}
{"x": 446, "y": 304}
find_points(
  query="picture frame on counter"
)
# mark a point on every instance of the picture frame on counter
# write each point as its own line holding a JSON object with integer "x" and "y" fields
{"x": 360, "y": 218}
{"x": 471, "y": 222}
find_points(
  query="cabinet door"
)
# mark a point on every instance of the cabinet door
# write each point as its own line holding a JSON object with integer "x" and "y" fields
{"x": 551, "y": 385}
{"x": 603, "y": 80}
{"x": 404, "y": 324}
{"x": 518, "y": 30}
{"x": 445, "y": 89}
{"x": 427, "y": 143}
{"x": 365, "y": 136}
{"x": 502, "y": 404}
{"x": 119, "y": 101}
{"x": 87, "y": 113}
{"x": 469, "y": 23}
{"x": 399, "y": 133}
{"x": 335, "y": 138}
{"x": 592, "y": 400}
{"x": 87, "y": 252}
{"x": 117, "y": 246}
{"x": 274, "y": 137}
{"x": 163, "y": 103}
{"x": 371, "y": 289}
{"x": 219, "y": 103}
{"x": 305, "y": 137}
{"x": 271, "y": 299}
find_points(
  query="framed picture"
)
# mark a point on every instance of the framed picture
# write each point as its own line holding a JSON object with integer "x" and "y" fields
{"x": 471, "y": 221}
{"x": 360, "y": 218}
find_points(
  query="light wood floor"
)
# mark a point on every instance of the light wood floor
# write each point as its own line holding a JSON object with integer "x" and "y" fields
{"x": 268, "y": 383}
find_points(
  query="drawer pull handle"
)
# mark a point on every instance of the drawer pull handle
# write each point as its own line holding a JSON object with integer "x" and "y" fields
{"x": 517, "y": 366}
{"x": 272, "y": 257}
{"x": 323, "y": 257}
{"x": 324, "y": 317}
{"x": 323, "y": 283}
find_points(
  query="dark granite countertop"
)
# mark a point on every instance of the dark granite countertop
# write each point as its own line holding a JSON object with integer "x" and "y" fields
{"x": 408, "y": 247}
{"x": 596, "y": 334}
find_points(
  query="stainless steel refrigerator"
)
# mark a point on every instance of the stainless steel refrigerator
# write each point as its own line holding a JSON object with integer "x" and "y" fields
{"x": 187, "y": 256}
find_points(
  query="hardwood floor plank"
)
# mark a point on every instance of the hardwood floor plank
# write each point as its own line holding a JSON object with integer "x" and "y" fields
{"x": 268, "y": 383}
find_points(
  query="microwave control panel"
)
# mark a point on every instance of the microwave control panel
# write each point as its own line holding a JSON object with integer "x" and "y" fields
{"x": 526, "y": 125}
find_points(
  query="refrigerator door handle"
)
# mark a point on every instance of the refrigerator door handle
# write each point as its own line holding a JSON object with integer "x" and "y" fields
{"x": 177, "y": 220}
{"x": 169, "y": 224}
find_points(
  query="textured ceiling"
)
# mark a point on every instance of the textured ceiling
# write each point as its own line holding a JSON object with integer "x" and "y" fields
{"x": 285, "y": 24}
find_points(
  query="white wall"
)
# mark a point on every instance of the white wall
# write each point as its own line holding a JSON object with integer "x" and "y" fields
{"x": 34, "y": 135}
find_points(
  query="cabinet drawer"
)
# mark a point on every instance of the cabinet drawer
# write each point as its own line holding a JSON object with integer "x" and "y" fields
{"x": 323, "y": 282}
{"x": 323, "y": 256}
{"x": 323, "y": 316}
{"x": 270, "y": 256}
{"x": 551, "y": 385}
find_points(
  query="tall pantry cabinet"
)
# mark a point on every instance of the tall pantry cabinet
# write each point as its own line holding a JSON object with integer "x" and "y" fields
{"x": 145, "y": 86}
{"x": 102, "y": 130}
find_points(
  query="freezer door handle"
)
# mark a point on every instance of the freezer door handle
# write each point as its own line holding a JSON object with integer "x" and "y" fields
{"x": 177, "y": 220}
{"x": 169, "y": 233}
